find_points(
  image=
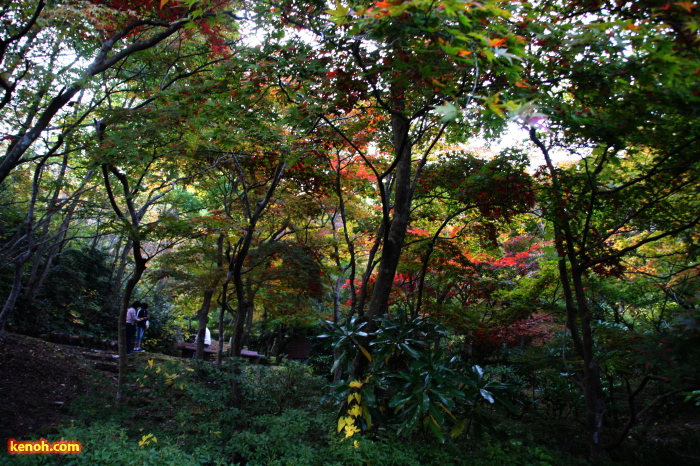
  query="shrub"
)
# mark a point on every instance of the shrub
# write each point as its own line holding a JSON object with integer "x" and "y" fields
{"x": 109, "y": 444}
{"x": 293, "y": 437}
{"x": 273, "y": 389}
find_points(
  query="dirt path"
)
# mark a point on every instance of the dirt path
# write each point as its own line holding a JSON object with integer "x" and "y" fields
{"x": 38, "y": 380}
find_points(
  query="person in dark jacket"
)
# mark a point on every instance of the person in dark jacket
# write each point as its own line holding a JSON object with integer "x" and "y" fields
{"x": 141, "y": 325}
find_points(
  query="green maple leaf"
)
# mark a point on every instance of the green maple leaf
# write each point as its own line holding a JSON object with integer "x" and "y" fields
{"x": 448, "y": 111}
{"x": 338, "y": 15}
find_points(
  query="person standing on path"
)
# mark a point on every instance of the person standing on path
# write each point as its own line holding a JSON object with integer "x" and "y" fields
{"x": 141, "y": 325}
{"x": 131, "y": 326}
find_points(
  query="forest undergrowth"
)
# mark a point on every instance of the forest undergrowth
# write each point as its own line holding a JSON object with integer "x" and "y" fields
{"x": 183, "y": 412}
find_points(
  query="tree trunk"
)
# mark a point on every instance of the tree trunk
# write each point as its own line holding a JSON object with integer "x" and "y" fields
{"x": 222, "y": 298}
{"x": 117, "y": 278}
{"x": 239, "y": 327}
{"x": 592, "y": 382}
{"x": 577, "y": 307}
{"x": 38, "y": 277}
{"x": 222, "y": 314}
{"x": 139, "y": 268}
{"x": 203, "y": 319}
{"x": 133, "y": 218}
{"x": 15, "y": 290}
{"x": 395, "y": 234}
{"x": 25, "y": 234}
{"x": 236, "y": 268}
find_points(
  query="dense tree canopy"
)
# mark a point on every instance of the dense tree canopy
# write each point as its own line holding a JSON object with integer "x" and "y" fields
{"x": 317, "y": 167}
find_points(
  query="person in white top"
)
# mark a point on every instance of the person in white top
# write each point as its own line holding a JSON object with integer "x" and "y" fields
{"x": 207, "y": 337}
{"x": 131, "y": 326}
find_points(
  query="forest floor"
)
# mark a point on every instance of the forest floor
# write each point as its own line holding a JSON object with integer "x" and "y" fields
{"x": 40, "y": 379}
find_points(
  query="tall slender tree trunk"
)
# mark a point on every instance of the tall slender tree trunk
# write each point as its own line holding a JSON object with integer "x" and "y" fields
{"x": 578, "y": 312}
{"x": 40, "y": 271}
{"x": 203, "y": 320}
{"x": 236, "y": 268}
{"x": 133, "y": 217}
{"x": 139, "y": 268}
{"x": 117, "y": 273}
{"x": 222, "y": 298}
{"x": 15, "y": 290}
{"x": 222, "y": 340}
{"x": 223, "y": 307}
{"x": 338, "y": 372}
{"x": 24, "y": 236}
{"x": 592, "y": 382}
{"x": 396, "y": 232}
{"x": 239, "y": 327}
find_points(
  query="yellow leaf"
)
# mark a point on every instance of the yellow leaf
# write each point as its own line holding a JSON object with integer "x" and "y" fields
{"x": 150, "y": 363}
{"x": 366, "y": 353}
{"x": 146, "y": 438}
{"x": 356, "y": 384}
{"x": 351, "y": 430}
{"x": 163, "y": 2}
{"x": 344, "y": 422}
{"x": 355, "y": 411}
{"x": 448, "y": 412}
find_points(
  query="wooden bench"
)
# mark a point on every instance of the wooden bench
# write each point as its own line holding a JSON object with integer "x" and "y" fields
{"x": 254, "y": 356}
{"x": 190, "y": 349}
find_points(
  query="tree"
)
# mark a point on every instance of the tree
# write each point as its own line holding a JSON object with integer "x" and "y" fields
{"x": 617, "y": 83}
{"x": 140, "y": 158}
{"x": 38, "y": 84}
{"x": 415, "y": 67}
{"x": 129, "y": 29}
